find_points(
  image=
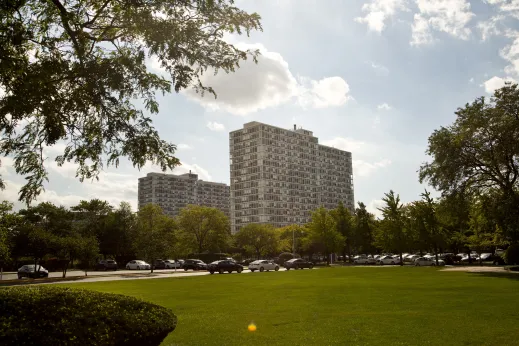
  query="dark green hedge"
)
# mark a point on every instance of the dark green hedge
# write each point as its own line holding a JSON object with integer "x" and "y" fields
{"x": 511, "y": 255}
{"x": 49, "y": 315}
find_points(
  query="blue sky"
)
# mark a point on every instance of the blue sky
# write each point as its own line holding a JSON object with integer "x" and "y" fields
{"x": 371, "y": 77}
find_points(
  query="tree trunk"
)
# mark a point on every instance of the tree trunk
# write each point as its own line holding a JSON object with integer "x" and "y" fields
{"x": 436, "y": 255}
{"x": 401, "y": 259}
{"x": 328, "y": 259}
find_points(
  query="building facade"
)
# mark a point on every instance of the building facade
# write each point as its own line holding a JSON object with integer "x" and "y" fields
{"x": 174, "y": 192}
{"x": 280, "y": 176}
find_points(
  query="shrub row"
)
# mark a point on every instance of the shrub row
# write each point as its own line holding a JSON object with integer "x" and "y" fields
{"x": 49, "y": 315}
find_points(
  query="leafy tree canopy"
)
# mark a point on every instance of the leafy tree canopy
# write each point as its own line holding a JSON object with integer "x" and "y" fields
{"x": 71, "y": 71}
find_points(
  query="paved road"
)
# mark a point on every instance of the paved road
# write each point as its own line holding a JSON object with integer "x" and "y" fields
{"x": 73, "y": 273}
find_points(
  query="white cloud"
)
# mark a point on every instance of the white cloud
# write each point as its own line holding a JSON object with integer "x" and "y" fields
{"x": 508, "y": 7}
{"x": 348, "y": 144}
{"x": 363, "y": 169}
{"x": 270, "y": 83}
{"x": 448, "y": 16}
{"x": 495, "y": 83}
{"x": 327, "y": 92}
{"x": 511, "y": 54}
{"x": 471, "y": 80}
{"x": 376, "y": 122}
{"x": 379, "y": 11}
{"x": 421, "y": 31}
{"x": 373, "y": 207}
{"x": 490, "y": 27}
{"x": 379, "y": 68}
{"x": 384, "y": 107}
{"x": 183, "y": 146}
{"x": 214, "y": 126}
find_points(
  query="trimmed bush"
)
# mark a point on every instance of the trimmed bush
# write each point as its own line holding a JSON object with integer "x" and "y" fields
{"x": 47, "y": 315}
{"x": 511, "y": 255}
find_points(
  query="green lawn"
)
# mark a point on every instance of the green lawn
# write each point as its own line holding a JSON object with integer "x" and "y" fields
{"x": 336, "y": 306}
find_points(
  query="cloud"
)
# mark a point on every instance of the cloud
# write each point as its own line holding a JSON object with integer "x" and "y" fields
{"x": 421, "y": 31}
{"x": 448, "y": 16}
{"x": 380, "y": 11}
{"x": 214, "y": 126}
{"x": 511, "y": 54}
{"x": 348, "y": 144}
{"x": 471, "y": 80}
{"x": 508, "y": 7}
{"x": 379, "y": 68}
{"x": 183, "y": 146}
{"x": 495, "y": 83}
{"x": 373, "y": 207}
{"x": 363, "y": 169}
{"x": 384, "y": 107}
{"x": 490, "y": 27}
{"x": 376, "y": 122}
{"x": 327, "y": 92}
{"x": 270, "y": 83}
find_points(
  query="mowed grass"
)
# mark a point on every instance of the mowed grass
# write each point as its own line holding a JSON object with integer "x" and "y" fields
{"x": 336, "y": 306}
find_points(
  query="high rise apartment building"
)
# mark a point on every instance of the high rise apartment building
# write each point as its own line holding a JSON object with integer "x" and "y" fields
{"x": 280, "y": 176}
{"x": 174, "y": 192}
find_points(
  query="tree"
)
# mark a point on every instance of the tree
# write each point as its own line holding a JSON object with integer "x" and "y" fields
{"x": 344, "y": 225}
{"x": 92, "y": 216}
{"x": 87, "y": 248}
{"x": 365, "y": 225}
{"x": 434, "y": 232}
{"x": 203, "y": 228}
{"x": 322, "y": 233}
{"x": 291, "y": 238}
{"x": 391, "y": 234}
{"x": 155, "y": 234}
{"x": 480, "y": 152}
{"x": 8, "y": 221}
{"x": 259, "y": 239}
{"x": 117, "y": 237}
{"x": 71, "y": 71}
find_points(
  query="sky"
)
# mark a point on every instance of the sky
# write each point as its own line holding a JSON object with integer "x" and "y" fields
{"x": 372, "y": 77}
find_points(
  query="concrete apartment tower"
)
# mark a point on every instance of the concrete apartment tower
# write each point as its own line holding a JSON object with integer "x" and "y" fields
{"x": 174, "y": 192}
{"x": 280, "y": 176}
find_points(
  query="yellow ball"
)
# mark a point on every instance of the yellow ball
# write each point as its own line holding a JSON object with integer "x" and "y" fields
{"x": 252, "y": 327}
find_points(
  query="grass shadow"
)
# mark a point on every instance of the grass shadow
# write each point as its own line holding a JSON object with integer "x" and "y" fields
{"x": 503, "y": 275}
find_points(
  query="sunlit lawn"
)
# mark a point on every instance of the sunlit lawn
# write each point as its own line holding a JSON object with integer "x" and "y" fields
{"x": 336, "y": 306}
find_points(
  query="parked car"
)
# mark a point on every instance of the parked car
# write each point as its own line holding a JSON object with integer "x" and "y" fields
{"x": 411, "y": 258}
{"x": 388, "y": 260}
{"x": 138, "y": 265}
{"x": 262, "y": 265}
{"x": 450, "y": 258}
{"x": 159, "y": 264}
{"x": 298, "y": 263}
{"x": 364, "y": 260}
{"x": 223, "y": 266}
{"x": 194, "y": 264}
{"x": 32, "y": 271}
{"x": 106, "y": 265}
{"x": 172, "y": 264}
{"x": 428, "y": 261}
{"x": 495, "y": 259}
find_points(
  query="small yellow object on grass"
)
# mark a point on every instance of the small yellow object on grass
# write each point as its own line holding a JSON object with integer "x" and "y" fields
{"x": 252, "y": 327}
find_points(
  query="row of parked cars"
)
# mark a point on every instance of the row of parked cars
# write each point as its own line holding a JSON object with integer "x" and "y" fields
{"x": 430, "y": 259}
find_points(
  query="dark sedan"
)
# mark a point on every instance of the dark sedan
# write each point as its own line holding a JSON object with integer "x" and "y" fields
{"x": 107, "y": 265}
{"x": 159, "y": 264}
{"x": 298, "y": 263}
{"x": 224, "y": 266}
{"x": 32, "y": 271}
{"x": 194, "y": 264}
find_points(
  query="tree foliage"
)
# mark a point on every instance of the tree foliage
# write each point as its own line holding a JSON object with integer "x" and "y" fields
{"x": 479, "y": 153}
{"x": 203, "y": 229}
{"x": 72, "y": 70}
{"x": 258, "y": 239}
{"x": 391, "y": 233}
{"x": 323, "y": 234}
{"x": 155, "y": 234}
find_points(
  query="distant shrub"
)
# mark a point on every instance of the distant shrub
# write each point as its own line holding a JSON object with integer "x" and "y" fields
{"x": 45, "y": 315}
{"x": 511, "y": 255}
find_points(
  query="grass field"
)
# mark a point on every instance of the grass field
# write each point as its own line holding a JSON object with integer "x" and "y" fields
{"x": 336, "y": 306}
